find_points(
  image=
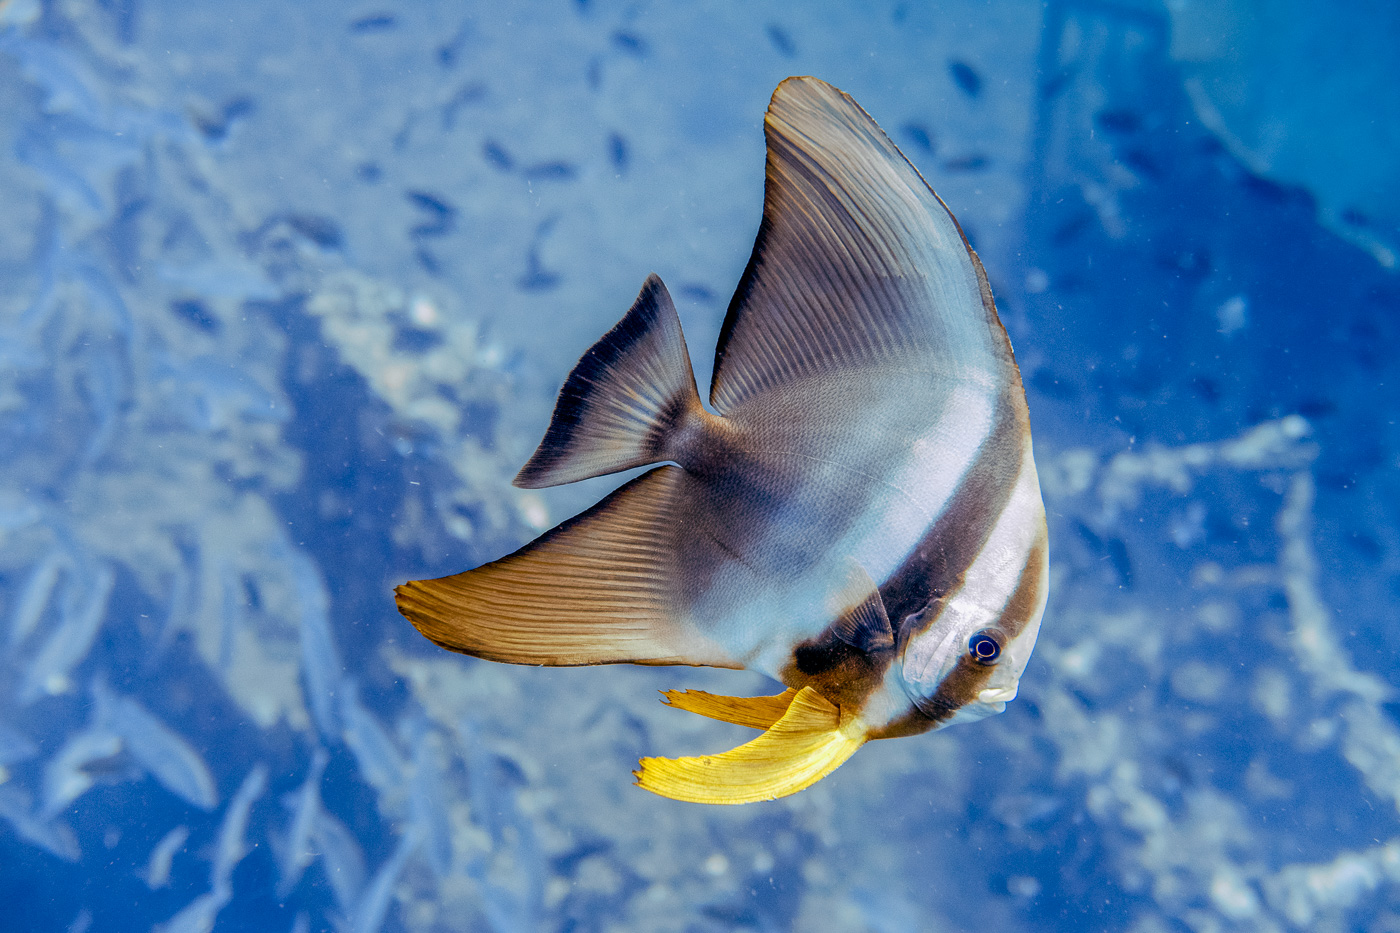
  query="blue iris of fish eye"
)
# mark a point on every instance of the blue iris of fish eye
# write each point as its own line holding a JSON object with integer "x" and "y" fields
{"x": 984, "y": 648}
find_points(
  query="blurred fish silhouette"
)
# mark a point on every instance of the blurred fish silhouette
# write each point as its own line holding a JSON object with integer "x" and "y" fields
{"x": 859, "y": 516}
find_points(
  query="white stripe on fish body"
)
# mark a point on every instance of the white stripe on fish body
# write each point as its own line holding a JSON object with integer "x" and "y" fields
{"x": 870, "y": 501}
{"x": 987, "y": 588}
{"x": 907, "y": 506}
{"x": 1017, "y": 654}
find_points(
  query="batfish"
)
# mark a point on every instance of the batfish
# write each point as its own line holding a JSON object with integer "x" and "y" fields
{"x": 856, "y": 514}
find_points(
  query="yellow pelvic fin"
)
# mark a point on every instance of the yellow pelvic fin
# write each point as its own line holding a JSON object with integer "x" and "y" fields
{"x": 754, "y": 712}
{"x": 811, "y": 740}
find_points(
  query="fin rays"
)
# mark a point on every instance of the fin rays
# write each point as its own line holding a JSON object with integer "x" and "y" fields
{"x": 595, "y": 590}
{"x": 812, "y": 739}
{"x": 754, "y": 712}
{"x": 857, "y": 262}
{"x": 623, "y": 401}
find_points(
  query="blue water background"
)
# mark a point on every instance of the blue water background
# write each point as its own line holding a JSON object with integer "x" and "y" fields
{"x": 286, "y": 290}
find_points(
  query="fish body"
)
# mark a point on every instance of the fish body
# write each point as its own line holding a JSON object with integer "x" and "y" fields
{"x": 856, "y": 514}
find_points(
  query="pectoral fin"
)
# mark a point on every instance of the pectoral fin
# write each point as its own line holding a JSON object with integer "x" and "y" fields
{"x": 865, "y": 626}
{"x": 812, "y": 739}
{"x": 754, "y": 712}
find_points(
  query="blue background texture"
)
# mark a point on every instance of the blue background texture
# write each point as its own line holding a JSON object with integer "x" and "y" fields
{"x": 287, "y": 289}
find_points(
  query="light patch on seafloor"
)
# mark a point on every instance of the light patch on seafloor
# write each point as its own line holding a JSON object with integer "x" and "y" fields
{"x": 533, "y": 511}
{"x": 1199, "y": 682}
{"x": 1268, "y": 81}
{"x": 517, "y": 812}
{"x": 1232, "y": 314}
{"x": 1115, "y": 749}
{"x": 1192, "y": 855}
{"x": 429, "y": 387}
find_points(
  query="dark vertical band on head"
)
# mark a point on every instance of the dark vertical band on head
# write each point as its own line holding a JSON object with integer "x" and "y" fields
{"x": 969, "y": 678}
{"x": 936, "y": 567}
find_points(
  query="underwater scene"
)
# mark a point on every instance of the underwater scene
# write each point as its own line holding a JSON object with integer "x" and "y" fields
{"x": 287, "y": 294}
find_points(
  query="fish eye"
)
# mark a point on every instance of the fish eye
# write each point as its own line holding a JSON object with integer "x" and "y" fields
{"x": 985, "y": 647}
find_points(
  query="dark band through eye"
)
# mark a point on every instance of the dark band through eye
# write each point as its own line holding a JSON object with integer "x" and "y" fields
{"x": 984, "y": 647}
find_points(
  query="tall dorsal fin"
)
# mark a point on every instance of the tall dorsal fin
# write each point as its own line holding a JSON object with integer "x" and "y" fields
{"x": 597, "y": 589}
{"x": 857, "y": 264}
{"x": 624, "y": 400}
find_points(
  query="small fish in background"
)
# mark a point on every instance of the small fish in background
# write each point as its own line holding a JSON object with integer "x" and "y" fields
{"x": 372, "y": 906}
{"x": 54, "y": 836}
{"x": 163, "y": 857}
{"x": 342, "y": 862}
{"x": 857, "y": 514}
{"x": 200, "y": 914}
{"x": 35, "y": 596}
{"x": 82, "y": 612}
{"x": 15, "y": 746}
{"x": 379, "y": 760}
{"x": 159, "y": 750}
{"x": 67, "y": 776}
{"x": 296, "y": 849}
{"x": 429, "y": 802}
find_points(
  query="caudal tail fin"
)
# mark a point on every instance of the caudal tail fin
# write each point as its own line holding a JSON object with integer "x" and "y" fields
{"x": 624, "y": 400}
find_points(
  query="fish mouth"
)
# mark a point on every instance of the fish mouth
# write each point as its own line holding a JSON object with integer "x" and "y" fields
{"x": 997, "y": 695}
{"x": 805, "y": 738}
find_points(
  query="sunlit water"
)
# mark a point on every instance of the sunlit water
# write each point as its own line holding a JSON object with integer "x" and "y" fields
{"x": 286, "y": 291}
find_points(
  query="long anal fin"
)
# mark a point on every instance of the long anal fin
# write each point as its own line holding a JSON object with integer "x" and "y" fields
{"x": 754, "y": 712}
{"x": 811, "y": 740}
{"x": 625, "y": 400}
